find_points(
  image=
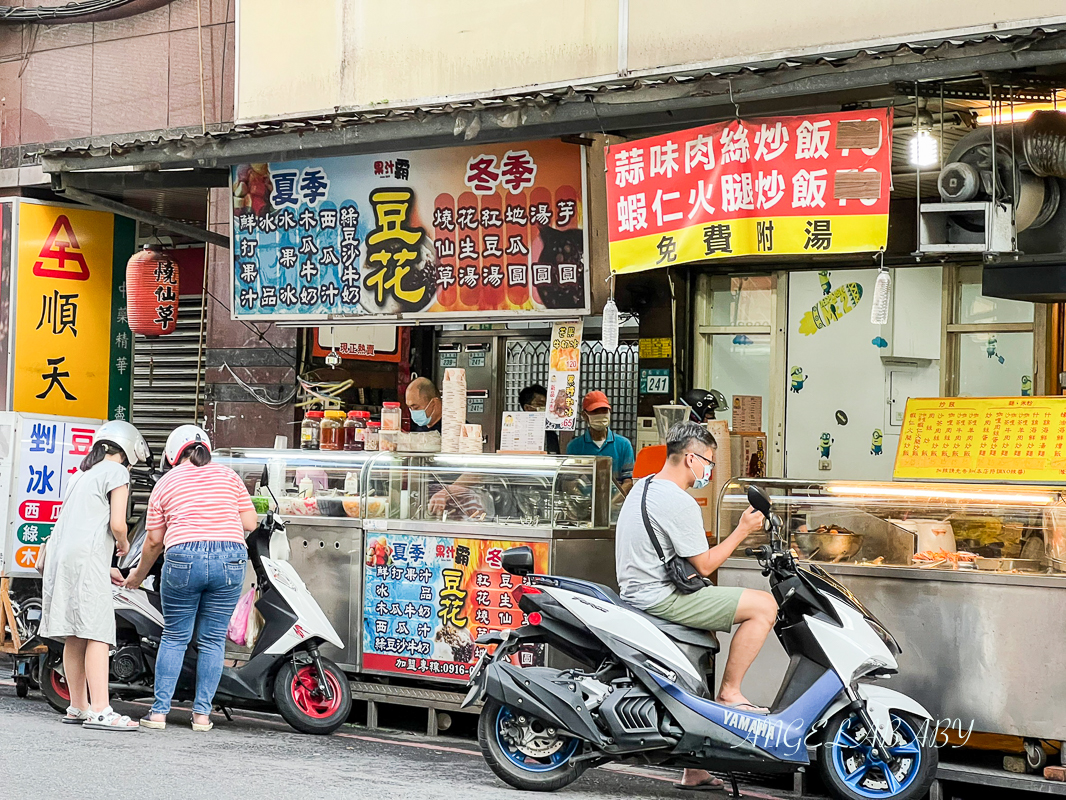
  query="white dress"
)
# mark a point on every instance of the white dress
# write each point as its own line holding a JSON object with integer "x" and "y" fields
{"x": 77, "y": 562}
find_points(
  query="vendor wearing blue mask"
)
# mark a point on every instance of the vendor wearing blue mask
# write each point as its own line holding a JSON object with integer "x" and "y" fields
{"x": 424, "y": 402}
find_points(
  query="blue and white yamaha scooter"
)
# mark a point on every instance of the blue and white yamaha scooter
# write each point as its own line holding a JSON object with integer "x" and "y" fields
{"x": 645, "y": 690}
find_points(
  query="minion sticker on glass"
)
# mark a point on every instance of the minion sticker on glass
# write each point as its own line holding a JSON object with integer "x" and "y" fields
{"x": 825, "y": 441}
{"x": 1027, "y": 385}
{"x": 798, "y": 379}
{"x": 875, "y": 445}
{"x": 823, "y": 279}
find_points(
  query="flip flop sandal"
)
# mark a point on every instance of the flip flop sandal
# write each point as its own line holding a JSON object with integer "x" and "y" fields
{"x": 75, "y": 716}
{"x": 202, "y": 728}
{"x": 154, "y": 724}
{"x": 713, "y": 785}
{"x": 108, "y": 720}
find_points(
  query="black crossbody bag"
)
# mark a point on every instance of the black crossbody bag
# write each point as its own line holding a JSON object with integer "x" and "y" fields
{"x": 679, "y": 570}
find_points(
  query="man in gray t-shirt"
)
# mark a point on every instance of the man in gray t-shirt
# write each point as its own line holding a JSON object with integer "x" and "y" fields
{"x": 678, "y": 524}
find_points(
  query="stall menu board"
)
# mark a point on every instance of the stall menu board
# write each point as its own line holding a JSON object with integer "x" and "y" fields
{"x": 564, "y": 375}
{"x": 487, "y": 230}
{"x": 49, "y": 452}
{"x": 427, "y": 598}
{"x": 806, "y": 185}
{"x": 983, "y": 438}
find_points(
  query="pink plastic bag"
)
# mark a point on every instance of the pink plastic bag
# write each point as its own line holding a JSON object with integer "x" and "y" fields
{"x": 237, "y": 632}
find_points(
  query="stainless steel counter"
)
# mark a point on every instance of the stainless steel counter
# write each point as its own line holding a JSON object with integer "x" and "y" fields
{"x": 979, "y": 647}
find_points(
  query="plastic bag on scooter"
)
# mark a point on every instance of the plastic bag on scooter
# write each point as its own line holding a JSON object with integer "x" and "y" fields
{"x": 237, "y": 632}
{"x": 255, "y": 627}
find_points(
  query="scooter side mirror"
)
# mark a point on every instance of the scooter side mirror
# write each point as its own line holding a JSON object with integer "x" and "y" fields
{"x": 759, "y": 500}
{"x": 518, "y": 560}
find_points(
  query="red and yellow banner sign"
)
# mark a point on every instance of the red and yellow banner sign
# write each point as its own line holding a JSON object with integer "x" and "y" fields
{"x": 773, "y": 186}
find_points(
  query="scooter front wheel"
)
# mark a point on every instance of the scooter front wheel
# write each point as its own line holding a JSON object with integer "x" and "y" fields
{"x": 854, "y": 769}
{"x": 300, "y": 700}
{"x": 526, "y": 752}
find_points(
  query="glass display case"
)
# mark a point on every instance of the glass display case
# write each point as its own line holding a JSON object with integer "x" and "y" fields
{"x": 565, "y": 492}
{"x": 980, "y": 527}
{"x": 558, "y": 492}
{"x": 305, "y": 483}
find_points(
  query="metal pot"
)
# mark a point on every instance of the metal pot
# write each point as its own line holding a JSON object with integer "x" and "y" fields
{"x": 825, "y": 546}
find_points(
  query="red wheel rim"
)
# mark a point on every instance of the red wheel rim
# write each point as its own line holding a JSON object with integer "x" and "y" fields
{"x": 59, "y": 686}
{"x": 307, "y": 698}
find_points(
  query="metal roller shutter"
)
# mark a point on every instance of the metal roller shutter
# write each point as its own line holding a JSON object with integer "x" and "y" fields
{"x": 164, "y": 380}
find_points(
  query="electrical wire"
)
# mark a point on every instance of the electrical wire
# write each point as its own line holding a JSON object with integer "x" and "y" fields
{"x": 258, "y": 394}
{"x": 67, "y": 13}
{"x": 323, "y": 392}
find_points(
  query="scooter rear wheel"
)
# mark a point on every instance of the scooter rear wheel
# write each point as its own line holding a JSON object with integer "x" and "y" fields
{"x": 540, "y": 763}
{"x": 54, "y": 688}
{"x": 297, "y": 696}
{"x": 851, "y": 770}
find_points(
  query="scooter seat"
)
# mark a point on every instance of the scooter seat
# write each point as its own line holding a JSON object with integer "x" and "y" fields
{"x": 696, "y": 637}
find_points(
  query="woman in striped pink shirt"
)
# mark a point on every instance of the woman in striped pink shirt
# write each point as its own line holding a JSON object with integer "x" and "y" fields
{"x": 198, "y": 513}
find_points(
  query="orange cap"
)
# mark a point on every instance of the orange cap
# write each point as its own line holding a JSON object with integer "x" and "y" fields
{"x": 595, "y": 401}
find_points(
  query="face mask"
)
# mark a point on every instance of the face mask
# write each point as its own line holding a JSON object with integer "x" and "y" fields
{"x": 701, "y": 482}
{"x": 419, "y": 417}
{"x": 599, "y": 422}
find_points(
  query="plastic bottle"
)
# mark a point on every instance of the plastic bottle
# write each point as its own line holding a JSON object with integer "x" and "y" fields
{"x": 332, "y": 431}
{"x": 307, "y": 487}
{"x": 355, "y": 430}
{"x": 610, "y": 326}
{"x": 391, "y": 417}
{"x": 311, "y": 430}
{"x": 882, "y": 290}
{"x": 373, "y": 432}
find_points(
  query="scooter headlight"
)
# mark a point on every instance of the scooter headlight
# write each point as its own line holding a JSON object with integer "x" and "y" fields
{"x": 871, "y": 666}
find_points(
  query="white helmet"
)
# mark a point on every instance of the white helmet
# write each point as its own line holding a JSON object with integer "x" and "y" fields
{"x": 182, "y": 437}
{"x": 123, "y": 435}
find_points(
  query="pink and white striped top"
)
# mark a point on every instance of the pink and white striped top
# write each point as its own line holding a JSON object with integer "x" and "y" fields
{"x": 198, "y": 504}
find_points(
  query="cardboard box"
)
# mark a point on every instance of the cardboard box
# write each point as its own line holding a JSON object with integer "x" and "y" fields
{"x": 749, "y": 455}
{"x": 747, "y": 413}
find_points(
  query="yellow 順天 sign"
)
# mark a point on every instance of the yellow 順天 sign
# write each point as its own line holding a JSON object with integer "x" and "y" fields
{"x": 63, "y": 311}
{"x": 1019, "y": 439}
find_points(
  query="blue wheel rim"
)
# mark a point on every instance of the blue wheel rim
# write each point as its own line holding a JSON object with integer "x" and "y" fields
{"x": 855, "y": 765}
{"x": 555, "y": 761}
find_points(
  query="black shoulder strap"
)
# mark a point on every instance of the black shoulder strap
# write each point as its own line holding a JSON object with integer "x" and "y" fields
{"x": 647, "y": 522}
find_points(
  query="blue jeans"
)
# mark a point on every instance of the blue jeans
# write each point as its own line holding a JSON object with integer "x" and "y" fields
{"x": 201, "y": 584}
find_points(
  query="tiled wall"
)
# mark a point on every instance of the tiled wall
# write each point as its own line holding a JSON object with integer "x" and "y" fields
{"x": 136, "y": 74}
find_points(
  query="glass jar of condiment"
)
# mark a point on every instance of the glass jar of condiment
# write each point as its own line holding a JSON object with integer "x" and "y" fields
{"x": 391, "y": 417}
{"x": 355, "y": 430}
{"x": 373, "y": 433}
{"x": 332, "y": 431}
{"x": 311, "y": 430}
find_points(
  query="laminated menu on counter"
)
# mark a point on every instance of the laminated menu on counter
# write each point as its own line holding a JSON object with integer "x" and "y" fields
{"x": 1019, "y": 439}
{"x": 522, "y": 432}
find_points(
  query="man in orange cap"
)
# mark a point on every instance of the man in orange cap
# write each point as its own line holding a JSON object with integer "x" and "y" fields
{"x": 599, "y": 440}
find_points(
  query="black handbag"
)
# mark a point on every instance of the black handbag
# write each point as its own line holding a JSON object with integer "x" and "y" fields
{"x": 679, "y": 571}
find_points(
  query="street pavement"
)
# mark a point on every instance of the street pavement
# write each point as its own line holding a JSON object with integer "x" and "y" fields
{"x": 258, "y": 755}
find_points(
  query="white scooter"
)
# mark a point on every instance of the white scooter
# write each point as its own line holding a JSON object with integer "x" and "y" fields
{"x": 285, "y": 670}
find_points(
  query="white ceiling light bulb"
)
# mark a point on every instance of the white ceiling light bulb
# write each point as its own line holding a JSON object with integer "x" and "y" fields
{"x": 924, "y": 149}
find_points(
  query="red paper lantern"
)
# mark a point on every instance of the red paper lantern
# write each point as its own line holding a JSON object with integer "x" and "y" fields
{"x": 152, "y": 292}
